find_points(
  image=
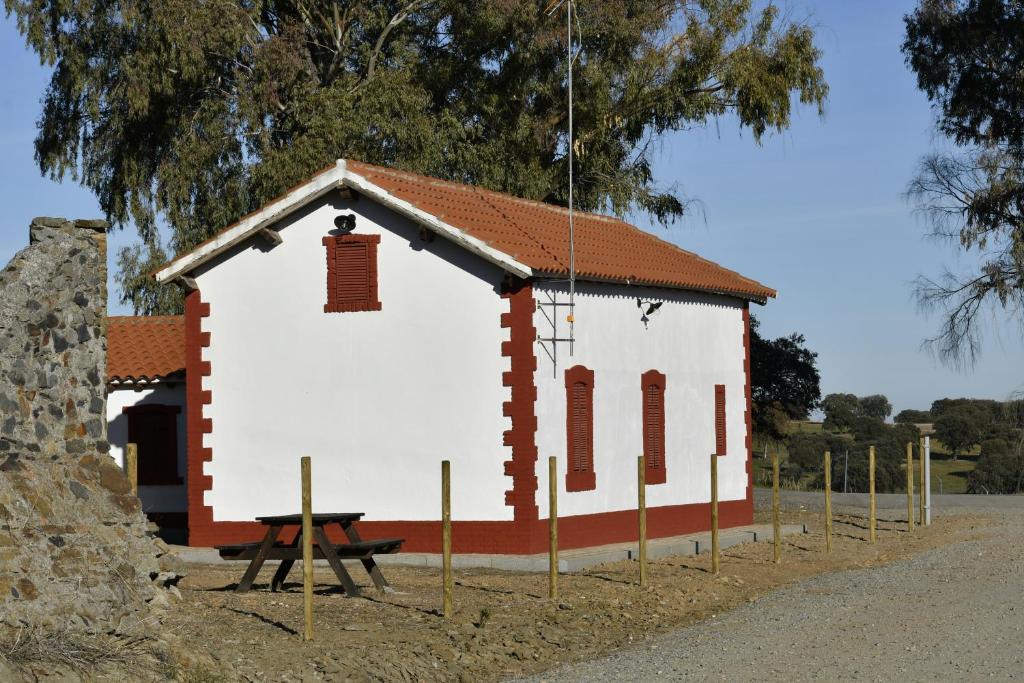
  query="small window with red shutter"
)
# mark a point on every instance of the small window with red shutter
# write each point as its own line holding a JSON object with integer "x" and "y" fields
{"x": 153, "y": 428}
{"x": 720, "y": 419}
{"x": 652, "y": 384}
{"x": 351, "y": 273}
{"x": 579, "y": 419}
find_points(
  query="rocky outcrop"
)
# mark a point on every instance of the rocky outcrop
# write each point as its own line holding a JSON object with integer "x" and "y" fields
{"x": 75, "y": 549}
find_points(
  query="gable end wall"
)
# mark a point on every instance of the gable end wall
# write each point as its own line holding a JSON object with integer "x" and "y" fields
{"x": 510, "y": 445}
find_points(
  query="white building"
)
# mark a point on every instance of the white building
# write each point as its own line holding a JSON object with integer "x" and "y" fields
{"x": 381, "y": 322}
{"x": 146, "y": 406}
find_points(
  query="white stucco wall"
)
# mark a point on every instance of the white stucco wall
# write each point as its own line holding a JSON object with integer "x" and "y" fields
{"x": 154, "y": 498}
{"x": 377, "y": 398}
{"x": 696, "y": 340}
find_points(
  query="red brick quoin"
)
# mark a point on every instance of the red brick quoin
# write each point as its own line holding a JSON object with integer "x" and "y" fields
{"x": 521, "y": 438}
{"x": 749, "y": 441}
{"x": 200, "y": 515}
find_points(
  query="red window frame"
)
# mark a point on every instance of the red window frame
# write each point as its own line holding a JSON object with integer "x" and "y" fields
{"x": 352, "y": 288}
{"x": 652, "y": 385}
{"x": 153, "y": 427}
{"x": 720, "y": 427}
{"x": 579, "y": 429}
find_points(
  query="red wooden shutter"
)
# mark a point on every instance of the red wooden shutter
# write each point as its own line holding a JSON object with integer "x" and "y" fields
{"x": 652, "y": 384}
{"x": 352, "y": 273}
{"x": 579, "y": 418}
{"x": 153, "y": 429}
{"x": 353, "y": 278}
{"x": 720, "y": 419}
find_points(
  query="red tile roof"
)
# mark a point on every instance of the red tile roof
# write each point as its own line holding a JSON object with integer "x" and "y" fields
{"x": 145, "y": 348}
{"x": 530, "y": 235}
{"x": 536, "y": 234}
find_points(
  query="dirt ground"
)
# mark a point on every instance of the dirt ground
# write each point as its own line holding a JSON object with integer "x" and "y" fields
{"x": 504, "y": 625}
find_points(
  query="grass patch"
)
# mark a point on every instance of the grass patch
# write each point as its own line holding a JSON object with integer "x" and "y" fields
{"x": 804, "y": 427}
{"x": 950, "y": 476}
{"x": 63, "y": 648}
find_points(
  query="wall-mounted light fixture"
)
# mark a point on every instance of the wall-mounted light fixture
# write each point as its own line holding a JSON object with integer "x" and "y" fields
{"x": 346, "y": 222}
{"x": 648, "y": 308}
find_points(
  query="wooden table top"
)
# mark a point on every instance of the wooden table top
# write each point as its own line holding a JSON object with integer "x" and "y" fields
{"x": 319, "y": 518}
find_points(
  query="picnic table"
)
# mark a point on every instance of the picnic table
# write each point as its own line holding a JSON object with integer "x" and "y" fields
{"x": 270, "y": 548}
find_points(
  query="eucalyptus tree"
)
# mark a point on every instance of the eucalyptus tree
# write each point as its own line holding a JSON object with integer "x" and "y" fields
{"x": 968, "y": 56}
{"x": 195, "y": 112}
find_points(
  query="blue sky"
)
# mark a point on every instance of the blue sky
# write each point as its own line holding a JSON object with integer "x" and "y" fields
{"x": 815, "y": 212}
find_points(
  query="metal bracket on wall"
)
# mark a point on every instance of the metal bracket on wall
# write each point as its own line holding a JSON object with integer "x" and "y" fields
{"x": 550, "y": 310}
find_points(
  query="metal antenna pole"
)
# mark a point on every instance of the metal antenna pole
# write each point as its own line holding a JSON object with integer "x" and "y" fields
{"x": 572, "y": 231}
{"x": 553, "y": 7}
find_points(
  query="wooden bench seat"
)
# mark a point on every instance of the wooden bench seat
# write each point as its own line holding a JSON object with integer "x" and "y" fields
{"x": 346, "y": 551}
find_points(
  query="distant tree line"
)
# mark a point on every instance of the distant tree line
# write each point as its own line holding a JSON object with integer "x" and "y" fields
{"x": 852, "y": 425}
{"x": 962, "y": 424}
{"x": 785, "y": 387}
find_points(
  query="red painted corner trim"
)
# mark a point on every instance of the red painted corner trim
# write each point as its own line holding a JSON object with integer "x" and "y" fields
{"x": 200, "y": 515}
{"x": 372, "y": 303}
{"x": 521, "y": 408}
{"x": 749, "y": 440}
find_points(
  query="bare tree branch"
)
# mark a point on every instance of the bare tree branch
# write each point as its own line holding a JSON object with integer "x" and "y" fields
{"x": 395, "y": 21}
{"x": 976, "y": 199}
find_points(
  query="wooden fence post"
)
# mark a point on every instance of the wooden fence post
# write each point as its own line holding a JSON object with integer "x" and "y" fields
{"x": 714, "y": 514}
{"x": 307, "y": 547}
{"x": 447, "y": 606}
{"x": 552, "y": 528}
{"x": 776, "y": 522}
{"x": 131, "y": 466}
{"x": 828, "y": 502}
{"x": 871, "y": 494}
{"x": 641, "y": 509}
{"x": 910, "y": 487}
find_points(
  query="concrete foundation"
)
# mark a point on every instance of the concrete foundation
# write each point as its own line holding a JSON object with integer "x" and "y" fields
{"x": 568, "y": 560}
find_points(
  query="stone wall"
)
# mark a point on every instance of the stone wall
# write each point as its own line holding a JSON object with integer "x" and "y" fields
{"x": 75, "y": 549}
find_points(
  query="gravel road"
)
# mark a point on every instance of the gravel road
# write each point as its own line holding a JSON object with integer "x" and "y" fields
{"x": 955, "y": 613}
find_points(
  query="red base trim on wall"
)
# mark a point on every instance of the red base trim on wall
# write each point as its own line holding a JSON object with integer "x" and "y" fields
{"x": 523, "y": 538}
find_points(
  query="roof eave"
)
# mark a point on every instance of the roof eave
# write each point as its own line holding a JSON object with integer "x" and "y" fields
{"x": 174, "y": 377}
{"x": 249, "y": 226}
{"x": 334, "y": 178}
{"x": 745, "y": 296}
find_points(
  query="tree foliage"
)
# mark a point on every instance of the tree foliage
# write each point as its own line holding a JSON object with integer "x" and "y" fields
{"x": 968, "y": 56}
{"x": 840, "y": 411}
{"x": 849, "y": 455}
{"x": 785, "y": 384}
{"x": 848, "y": 411}
{"x": 960, "y": 428}
{"x": 1000, "y": 468}
{"x": 196, "y": 113}
{"x": 806, "y": 450}
{"x": 876, "y": 406}
{"x": 911, "y": 416}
